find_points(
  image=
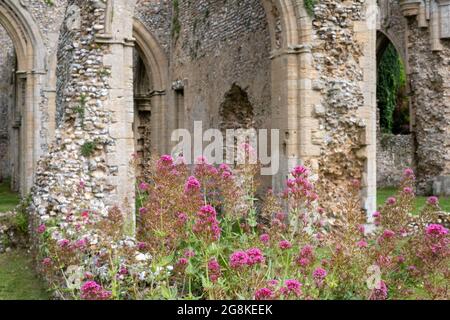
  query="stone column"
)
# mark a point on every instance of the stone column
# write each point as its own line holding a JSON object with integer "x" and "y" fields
{"x": 121, "y": 105}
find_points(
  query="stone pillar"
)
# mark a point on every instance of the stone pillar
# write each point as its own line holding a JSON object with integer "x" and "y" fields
{"x": 121, "y": 105}
{"x": 428, "y": 54}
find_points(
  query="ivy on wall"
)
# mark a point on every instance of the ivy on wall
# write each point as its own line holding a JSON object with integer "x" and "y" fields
{"x": 309, "y": 6}
{"x": 391, "y": 87}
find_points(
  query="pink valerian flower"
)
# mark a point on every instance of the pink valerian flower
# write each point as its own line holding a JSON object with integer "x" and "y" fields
{"x": 63, "y": 243}
{"x": 41, "y": 229}
{"x": 436, "y": 230}
{"x": 300, "y": 171}
{"x": 239, "y": 259}
{"x": 388, "y": 234}
{"x": 433, "y": 201}
{"x": 292, "y": 287}
{"x": 143, "y": 211}
{"x": 437, "y": 240}
{"x": 281, "y": 216}
{"x": 189, "y": 253}
{"x": 46, "y": 262}
{"x": 264, "y": 294}
{"x": 320, "y": 273}
{"x": 165, "y": 162}
{"x": 183, "y": 262}
{"x": 319, "y": 276}
{"x": 192, "y": 185}
{"x": 255, "y": 256}
{"x": 141, "y": 246}
{"x": 409, "y": 173}
{"x": 307, "y": 252}
{"x": 379, "y": 293}
{"x": 123, "y": 271}
{"x": 284, "y": 245}
{"x": 377, "y": 218}
{"x": 264, "y": 238}
{"x": 207, "y": 223}
{"x": 391, "y": 201}
{"x": 408, "y": 191}
{"x": 91, "y": 290}
{"x": 214, "y": 270}
{"x": 182, "y": 218}
{"x": 303, "y": 262}
{"x": 81, "y": 244}
{"x": 362, "y": 229}
{"x": 225, "y": 171}
{"x": 143, "y": 187}
{"x": 362, "y": 244}
{"x": 400, "y": 259}
{"x": 273, "y": 283}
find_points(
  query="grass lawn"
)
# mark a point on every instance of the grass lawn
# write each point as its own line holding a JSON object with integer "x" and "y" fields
{"x": 8, "y": 200}
{"x": 384, "y": 194}
{"x": 18, "y": 281}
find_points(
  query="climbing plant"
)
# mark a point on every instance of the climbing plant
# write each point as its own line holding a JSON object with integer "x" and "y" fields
{"x": 391, "y": 82}
{"x": 309, "y": 6}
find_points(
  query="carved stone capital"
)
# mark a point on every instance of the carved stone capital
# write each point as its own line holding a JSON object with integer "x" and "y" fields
{"x": 410, "y": 8}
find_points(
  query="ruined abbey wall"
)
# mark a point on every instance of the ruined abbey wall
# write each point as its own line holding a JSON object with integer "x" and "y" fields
{"x": 7, "y": 67}
{"x": 262, "y": 63}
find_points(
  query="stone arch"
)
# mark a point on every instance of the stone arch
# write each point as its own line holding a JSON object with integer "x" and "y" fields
{"x": 31, "y": 72}
{"x": 291, "y": 73}
{"x": 395, "y": 150}
{"x": 156, "y": 67}
{"x": 383, "y": 40}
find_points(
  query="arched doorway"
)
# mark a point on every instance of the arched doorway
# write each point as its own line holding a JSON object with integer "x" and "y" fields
{"x": 395, "y": 139}
{"x": 150, "y": 67}
{"x": 28, "y": 85}
{"x": 9, "y": 115}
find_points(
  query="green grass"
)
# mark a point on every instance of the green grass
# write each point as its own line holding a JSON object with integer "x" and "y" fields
{"x": 384, "y": 194}
{"x": 8, "y": 200}
{"x": 18, "y": 281}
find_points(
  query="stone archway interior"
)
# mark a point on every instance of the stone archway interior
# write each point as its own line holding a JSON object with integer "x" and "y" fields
{"x": 9, "y": 114}
{"x": 142, "y": 110}
{"x": 396, "y": 147}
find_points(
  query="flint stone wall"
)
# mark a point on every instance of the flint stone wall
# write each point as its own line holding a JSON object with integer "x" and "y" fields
{"x": 395, "y": 153}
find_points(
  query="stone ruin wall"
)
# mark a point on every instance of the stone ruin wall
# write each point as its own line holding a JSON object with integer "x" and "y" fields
{"x": 7, "y": 67}
{"x": 49, "y": 19}
{"x": 66, "y": 181}
{"x": 210, "y": 51}
{"x": 337, "y": 52}
{"x": 211, "y": 46}
{"x": 430, "y": 85}
{"x": 394, "y": 154}
{"x": 213, "y": 49}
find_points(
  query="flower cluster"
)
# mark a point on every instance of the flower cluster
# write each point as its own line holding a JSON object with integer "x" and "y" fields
{"x": 207, "y": 223}
{"x": 91, "y": 290}
{"x": 249, "y": 258}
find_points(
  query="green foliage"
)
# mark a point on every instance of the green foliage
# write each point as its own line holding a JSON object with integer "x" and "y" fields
{"x": 391, "y": 82}
{"x": 309, "y": 6}
{"x": 88, "y": 148}
{"x": 176, "y": 25}
{"x": 49, "y": 2}
{"x": 22, "y": 217}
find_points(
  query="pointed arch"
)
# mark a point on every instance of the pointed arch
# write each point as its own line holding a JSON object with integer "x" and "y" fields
{"x": 32, "y": 69}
